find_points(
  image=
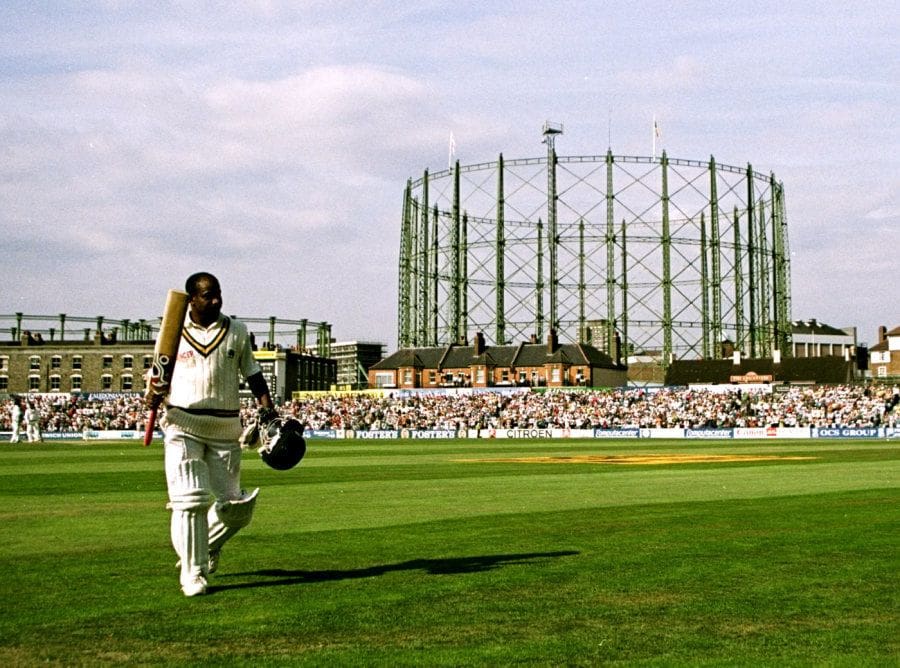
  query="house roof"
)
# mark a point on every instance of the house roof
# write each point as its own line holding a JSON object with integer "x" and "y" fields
{"x": 418, "y": 358}
{"x": 882, "y": 345}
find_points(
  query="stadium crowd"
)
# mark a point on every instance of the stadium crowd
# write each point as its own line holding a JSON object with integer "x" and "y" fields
{"x": 69, "y": 412}
{"x": 798, "y": 406}
{"x": 690, "y": 408}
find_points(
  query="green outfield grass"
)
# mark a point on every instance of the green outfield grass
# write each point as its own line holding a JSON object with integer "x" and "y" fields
{"x": 453, "y": 553}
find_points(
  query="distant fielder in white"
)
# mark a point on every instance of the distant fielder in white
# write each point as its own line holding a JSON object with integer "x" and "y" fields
{"x": 15, "y": 418}
{"x": 201, "y": 428}
{"x": 33, "y": 424}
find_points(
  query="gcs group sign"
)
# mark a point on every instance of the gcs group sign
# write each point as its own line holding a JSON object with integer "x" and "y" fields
{"x": 846, "y": 432}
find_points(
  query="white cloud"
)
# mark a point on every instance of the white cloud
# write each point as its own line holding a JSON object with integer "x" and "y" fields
{"x": 139, "y": 141}
{"x": 886, "y": 212}
{"x": 682, "y": 73}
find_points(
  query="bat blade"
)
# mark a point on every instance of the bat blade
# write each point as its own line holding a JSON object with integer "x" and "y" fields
{"x": 165, "y": 351}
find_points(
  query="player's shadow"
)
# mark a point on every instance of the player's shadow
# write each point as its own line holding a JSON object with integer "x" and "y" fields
{"x": 278, "y": 577}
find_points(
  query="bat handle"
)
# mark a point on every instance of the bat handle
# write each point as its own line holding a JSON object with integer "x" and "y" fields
{"x": 151, "y": 424}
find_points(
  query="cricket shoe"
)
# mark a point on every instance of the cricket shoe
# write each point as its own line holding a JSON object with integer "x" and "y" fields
{"x": 196, "y": 586}
{"x": 213, "y": 561}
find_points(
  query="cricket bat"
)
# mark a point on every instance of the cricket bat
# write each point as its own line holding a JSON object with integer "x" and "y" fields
{"x": 165, "y": 352}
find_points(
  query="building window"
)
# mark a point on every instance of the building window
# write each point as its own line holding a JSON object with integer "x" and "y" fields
{"x": 4, "y": 383}
{"x": 76, "y": 363}
{"x": 407, "y": 376}
{"x": 148, "y": 361}
{"x": 55, "y": 362}
{"x": 107, "y": 361}
{"x": 554, "y": 375}
{"x": 34, "y": 362}
{"x": 34, "y": 383}
{"x": 384, "y": 379}
{"x": 127, "y": 383}
{"x": 4, "y": 363}
{"x": 76, "y": 383}
{"x": 882, "y": 372}
{"x": 106, "y": 382}
{"x": 479, "y": 376}
{"x": 128, "y": 362}
{"x": 54, "y": 383}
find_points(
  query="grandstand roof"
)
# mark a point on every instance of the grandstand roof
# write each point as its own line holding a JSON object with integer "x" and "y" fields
{"x": 813, "y": 326}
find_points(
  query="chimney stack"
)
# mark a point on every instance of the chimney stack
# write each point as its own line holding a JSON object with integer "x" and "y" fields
{"x": 552, "y": 342}
{"x": 479, "y": 344}
{"x": 727, "y": 348}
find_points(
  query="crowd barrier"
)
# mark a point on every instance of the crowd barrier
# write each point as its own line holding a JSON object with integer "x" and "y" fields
{"x": 90, "y": 435}
{"x": 736, "y": 433}
{"x": 620, "y": 433}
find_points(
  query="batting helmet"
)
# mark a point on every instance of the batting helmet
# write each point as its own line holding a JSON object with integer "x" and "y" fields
{"x": 283, "y": 445}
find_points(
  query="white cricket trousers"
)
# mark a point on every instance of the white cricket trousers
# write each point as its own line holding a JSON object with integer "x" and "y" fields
{"x": 223, "y": 459}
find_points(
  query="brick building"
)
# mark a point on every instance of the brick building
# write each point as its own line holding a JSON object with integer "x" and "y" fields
{"x": 526, "y": 364}
{"x": 95, "y": 364}
{"x": 884, "y": 356}
{"x": 104, "y": 364}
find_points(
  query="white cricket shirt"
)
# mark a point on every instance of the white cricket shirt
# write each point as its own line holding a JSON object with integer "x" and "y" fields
{"x": 211, "y": 361}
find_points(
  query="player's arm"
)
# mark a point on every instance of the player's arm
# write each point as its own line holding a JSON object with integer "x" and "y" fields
{"x": 259, "y": 387}
{"x": 250, "y": 438}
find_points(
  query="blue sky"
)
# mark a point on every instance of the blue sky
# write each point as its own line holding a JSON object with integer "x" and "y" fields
{"x": 270, "y": 142}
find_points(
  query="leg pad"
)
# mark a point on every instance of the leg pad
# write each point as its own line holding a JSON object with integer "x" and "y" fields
{"x": 189, "y": 499}
{"x": 228, "y": 517}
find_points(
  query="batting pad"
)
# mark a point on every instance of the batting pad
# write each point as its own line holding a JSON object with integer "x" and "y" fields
{"x": 189, "y": 489}
{"x": 237, "y": 513}
{"x": 190, "y": 540}
{"x": 189, "y": 498}
{"x": 226, "y": 518}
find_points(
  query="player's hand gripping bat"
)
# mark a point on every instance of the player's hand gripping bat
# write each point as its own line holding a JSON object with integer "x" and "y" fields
{"x": 164, "y": 355}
